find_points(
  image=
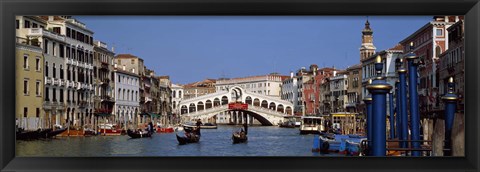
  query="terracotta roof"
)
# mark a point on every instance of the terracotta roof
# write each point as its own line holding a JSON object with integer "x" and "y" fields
{"x": 127, "y": 56}
{"x": 397, "y": 47}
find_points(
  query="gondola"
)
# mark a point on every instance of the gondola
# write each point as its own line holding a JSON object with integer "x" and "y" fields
{"x": 27, "y": 135}
{"x": 288, "y": 124}
{"x": 135, "y": 135}
{"x": 185, "y": 140}
{"x": 56, "y": 132}
{"x": 237, "y": 138}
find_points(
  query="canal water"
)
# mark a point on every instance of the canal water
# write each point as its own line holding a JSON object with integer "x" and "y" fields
{"x": 262, "y": 141}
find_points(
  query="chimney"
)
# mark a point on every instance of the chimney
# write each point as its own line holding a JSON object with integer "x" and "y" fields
{"x": 291, "y": 74}
{"x": 334, "y": 73}
{"x": 50, "y": 18}
{"x": 115, "y": 66}
{"x": 123, "y": 67}
{"x": 113, "y": 49}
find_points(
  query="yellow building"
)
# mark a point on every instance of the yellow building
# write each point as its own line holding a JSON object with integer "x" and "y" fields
{"x": 29, "y": 85}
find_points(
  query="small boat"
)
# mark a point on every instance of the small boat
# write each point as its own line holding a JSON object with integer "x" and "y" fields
{"x": 27, "y": 135}
{"x": 238, "y": 138}
{"x": 184, "y": 140}
{"x": 54, "y": 133}
{"x": 287, "y": 124}
{"x": 136, "y": 134}
{"x": 343, "y": 144}
{"x": 110, "y": 130}
{"x": 165, "y": 130}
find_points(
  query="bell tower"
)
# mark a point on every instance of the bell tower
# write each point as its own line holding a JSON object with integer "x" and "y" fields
{"x": 367, "y": 49}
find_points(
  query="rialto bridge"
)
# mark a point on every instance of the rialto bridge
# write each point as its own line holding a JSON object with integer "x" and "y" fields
{"x": 265, "y": 109}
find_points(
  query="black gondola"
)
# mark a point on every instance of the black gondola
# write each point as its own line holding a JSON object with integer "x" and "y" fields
{"x": 27, "y": 135}
{"x": 185, "y": 140}
{"x": 238, "y": 138}
{"x": 56, "y": 132}
{"x": 135, "y": 135}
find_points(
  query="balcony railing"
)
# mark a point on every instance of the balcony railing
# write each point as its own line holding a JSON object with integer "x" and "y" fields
{"x": 32, "y": 42}
{"x": 56, "y": 81}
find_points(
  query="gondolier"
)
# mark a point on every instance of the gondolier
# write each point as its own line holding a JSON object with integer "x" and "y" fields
{"x": 199, "y": 122}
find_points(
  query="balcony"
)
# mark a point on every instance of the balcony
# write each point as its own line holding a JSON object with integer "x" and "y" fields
{"x": 48, "y": 80}
{"x": 32, "y": 42}
{"x": 104, "y": 65}
{"x": 40, "y": 32}
{"x": 70, "y": 84}
{"x": 82, "y": 104}
{"x": 56, "y": 81}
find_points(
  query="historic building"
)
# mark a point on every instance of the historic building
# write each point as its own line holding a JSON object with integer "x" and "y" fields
{"x": 338, "y": 89}
{"x": 452, "y": 63}
{"x": 199, "y": 88}
{"x": 103, "y": 78}
{"x": 165, "y": 100}
{"x": 290, "y": 90}
{"x": 354, "y": 88}
{"x": 269, "y": 85}
{"x": 127, "y": 97}
{"x": 177, "y": 97}
{"x": 30, "y": 78}
{"x": 430, "y": 41}
{"x": 72, "y": 62}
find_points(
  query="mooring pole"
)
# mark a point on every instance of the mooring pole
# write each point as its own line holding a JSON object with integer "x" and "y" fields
{"x": 450, "y": 100}
{"x": 368, "y": 102}
{"x": 392, "y": 117}
{"x": 413, "y": 93}
{"x": 379, "y": 89}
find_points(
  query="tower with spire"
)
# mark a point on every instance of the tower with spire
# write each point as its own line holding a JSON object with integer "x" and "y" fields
{"x": 367, "y": 49}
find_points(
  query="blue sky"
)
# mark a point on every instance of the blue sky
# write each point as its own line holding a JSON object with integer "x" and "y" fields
{"x": 193, "y": 48}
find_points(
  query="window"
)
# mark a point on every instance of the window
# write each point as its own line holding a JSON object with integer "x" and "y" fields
{"x": 61, "y": 95}
{"x": 54, "y": 71}
{"x": 25, "y": 111}
{"x": 439, "y": 32}
{"x": 133, "y": 61}
{"x": 34, "y": 25}
{"x": 38, "y": 112}
{"x": 17, "y": 24}
{"x": 37, "y": 64}
{"x": 62, "y": 51}
{"x": 56, "y": 30}
{"x": 68, "y": 52}
{"x": 54, "y": 91}
{"x": 68, "y": 32}
{"x": 25, "y": 87}
{"x": 61, "y": 72}
{"x": 45, "y": 46}
{"x": 25, "y": 62}
{"x": 47, "y": 95}
{"x": 37, "y": 88}
{"x": 53, "y": 48}
{"x": 26, "y": 24}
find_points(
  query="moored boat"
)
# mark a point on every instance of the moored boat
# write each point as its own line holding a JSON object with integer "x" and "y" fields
{"x": 165, "y": 130}
{"x": 109, "y": 130}
{"x": 312, "y": 125}
{"x": 136, "y": 134}
{"x": 287, "y": 124}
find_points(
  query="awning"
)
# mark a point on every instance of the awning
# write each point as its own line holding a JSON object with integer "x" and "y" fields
{"x": 152, "y": 115}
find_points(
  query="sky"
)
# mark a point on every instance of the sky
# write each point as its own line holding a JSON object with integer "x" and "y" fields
{"x": 194, "y": 48}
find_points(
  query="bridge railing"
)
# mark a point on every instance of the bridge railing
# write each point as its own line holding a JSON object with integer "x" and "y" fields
{"x": 209, "y": 110}
{"x": 269, "y": 111}
{"x": 200, "y": 98}
{"x": 276, "y": 99}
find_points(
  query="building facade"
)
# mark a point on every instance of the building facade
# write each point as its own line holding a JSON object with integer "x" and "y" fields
{"x": 127, "y": 98}
{"x": 269, "y": 85}
{"x": 103, "y": 78}
{"x": 200, "y": 88}
{"x": 177, "y": 97}
{"x": 452, "y": 64}
{"x": 29, "y": 82}
{"x": 354, "y": 88}
{"x": 430, "y": 41}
